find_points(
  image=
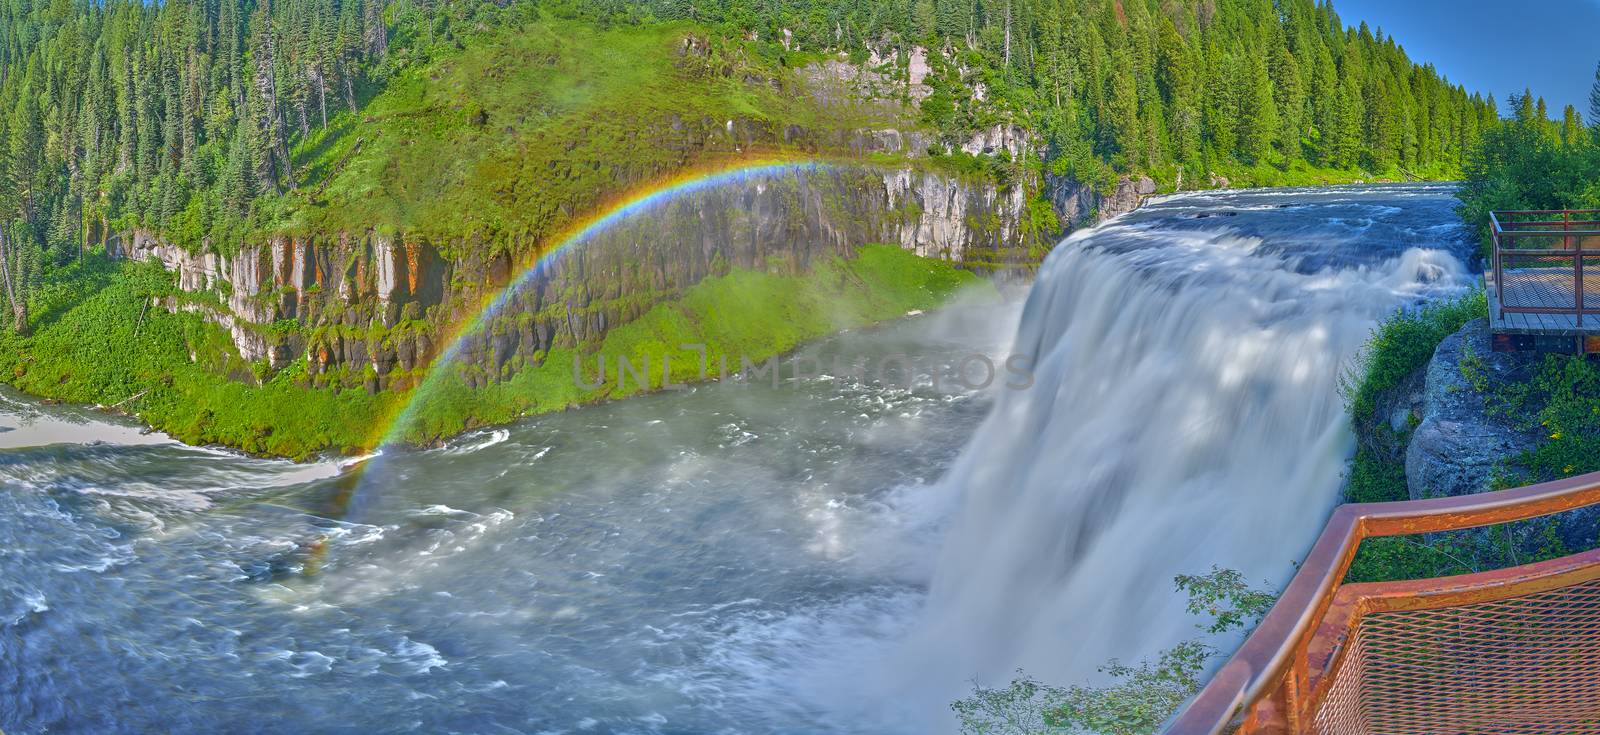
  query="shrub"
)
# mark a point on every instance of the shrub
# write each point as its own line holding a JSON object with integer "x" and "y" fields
{"x": 1403, "y": 343}
{"x": 1142, "y": 696}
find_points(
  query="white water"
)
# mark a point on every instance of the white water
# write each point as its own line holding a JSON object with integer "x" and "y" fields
{"x": 821, "y": 557}
{"x": 1186, "y": 414}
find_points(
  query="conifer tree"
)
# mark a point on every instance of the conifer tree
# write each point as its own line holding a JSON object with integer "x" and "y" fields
{"x": 184, "y": 116}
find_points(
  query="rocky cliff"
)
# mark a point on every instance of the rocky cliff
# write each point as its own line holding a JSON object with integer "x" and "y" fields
{"x": 368, "y": 308}
{"x": 1459, "y": 445}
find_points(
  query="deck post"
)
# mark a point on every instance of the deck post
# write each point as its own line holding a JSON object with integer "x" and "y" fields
{"x": 1499, "y": 278}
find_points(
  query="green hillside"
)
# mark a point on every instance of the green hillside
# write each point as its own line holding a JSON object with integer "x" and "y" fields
{"x": 212, "y": 121}
{"x": 526, "y": 128}
{"x": 484, "y": 127}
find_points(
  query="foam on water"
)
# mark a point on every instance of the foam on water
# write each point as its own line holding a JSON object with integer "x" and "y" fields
{"x": 836, "y": 555}
{"x": 1185, "y": 415}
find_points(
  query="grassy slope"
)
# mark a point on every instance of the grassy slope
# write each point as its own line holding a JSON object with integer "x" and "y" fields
{"x": 509, "y": 138}
{"x": 530, "y": 126}
{"x": 169, "y": 364}
{"x": 743, "y": 314}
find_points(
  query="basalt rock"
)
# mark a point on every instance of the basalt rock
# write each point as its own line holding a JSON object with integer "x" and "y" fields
{"x": 1077, "y": 203}
{"x": 369, "y": 306}
{"x": 1459, "y": 444}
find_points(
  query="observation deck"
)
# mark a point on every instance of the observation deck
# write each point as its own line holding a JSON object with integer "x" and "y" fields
{"x": 1544, "y": 281}
{"x": 1513, "y": 650}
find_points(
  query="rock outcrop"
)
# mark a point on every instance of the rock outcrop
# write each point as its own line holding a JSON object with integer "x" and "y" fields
{"x": 1460, "y": 444}
{"x": 367, "y": 308}
{"x": 1013, "y": 140}
{"x": 1077, "y": 203}
{"x": 940, "y": 217}
{"x": 370, "y": 308}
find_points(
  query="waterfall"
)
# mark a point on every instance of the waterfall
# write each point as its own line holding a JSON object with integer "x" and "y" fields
{"x": 1185, "y": 413}
{"x": 838, "y": 555}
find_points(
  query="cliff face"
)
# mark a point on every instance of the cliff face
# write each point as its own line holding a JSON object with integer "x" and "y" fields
{"x": 369, "y": 308}
{"x": 1077, "y": 203}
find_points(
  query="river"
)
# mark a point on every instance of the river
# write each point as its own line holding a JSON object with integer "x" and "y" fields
{"x": 839, "y": 553}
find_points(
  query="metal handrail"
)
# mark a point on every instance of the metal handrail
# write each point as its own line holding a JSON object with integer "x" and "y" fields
{"x": 1510, "y": 228}
{"x": 1546, "y": 211}
{"x": 1504, "y": 234}
{"x": 1269, "y": 678}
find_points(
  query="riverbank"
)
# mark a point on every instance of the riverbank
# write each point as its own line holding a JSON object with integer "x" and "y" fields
{"x": 815, "y": 557}
{"x": 628, "y": 563}
{"x": 433, "y": 194}
{"x": 98, "y": 341}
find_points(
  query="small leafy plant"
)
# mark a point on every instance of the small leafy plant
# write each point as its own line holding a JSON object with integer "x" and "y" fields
{"x": 1141, "y": 696}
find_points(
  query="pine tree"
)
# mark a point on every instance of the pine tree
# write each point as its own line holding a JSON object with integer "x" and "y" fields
{"x": 1257, "y": 113}
{"x": 1594, "y": 104}
{"x": 148, "y": 113}
{"x": 1572, "y": 132}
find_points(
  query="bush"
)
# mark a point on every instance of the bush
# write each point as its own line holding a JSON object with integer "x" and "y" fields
{"x": 1142, "y": 696}
{"x": 1562, "y": 403}
{"x": 1524, "y": 164}
{"x": 1401, "y": 345}
{"x": 1375, "y": 480}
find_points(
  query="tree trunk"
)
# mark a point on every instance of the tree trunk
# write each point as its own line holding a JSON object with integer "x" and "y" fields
{"x": 377, "y": 36}
{"x": 322, "y": 97}
{"x": 19, "y": 306}
{"x": 1008, "y": 38}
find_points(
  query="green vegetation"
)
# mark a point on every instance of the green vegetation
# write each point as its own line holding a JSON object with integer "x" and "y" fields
{"x": 1527, "y": 162}
{"x": 1455, "y": 552}
{"x": 540, "y": 122}
{"x": 750, "y": 315}
{"x": 492, "y": 124}
{"x": 167, "y": 366}
{"x": 1248, "y": 89}
{"x": 1532, "y": 162}
{"x": 1561, "y": 402}
{"x": 1141, "y": 697}
{"x": 485, "y": 127}
{"x": 101, "y": 341}
{"x": 1400, "y": 347}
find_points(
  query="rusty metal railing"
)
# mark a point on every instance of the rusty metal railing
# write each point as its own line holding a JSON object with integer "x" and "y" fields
{"x": 1541, "y": 259}
{"x": 1507, "y": 651}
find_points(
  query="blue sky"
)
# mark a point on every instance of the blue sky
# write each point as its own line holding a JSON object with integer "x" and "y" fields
{"x": 1550, "y": 46}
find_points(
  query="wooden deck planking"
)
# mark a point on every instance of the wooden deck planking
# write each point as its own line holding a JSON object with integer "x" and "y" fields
{"x": 1542, "y": 288}
{"x": 1550, "y": 263}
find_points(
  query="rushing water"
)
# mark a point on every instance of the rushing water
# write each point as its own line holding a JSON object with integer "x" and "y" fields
{"x": 830, "y": 555}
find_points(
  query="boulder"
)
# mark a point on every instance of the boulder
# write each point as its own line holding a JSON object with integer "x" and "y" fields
{"x": 1459, "y": 444}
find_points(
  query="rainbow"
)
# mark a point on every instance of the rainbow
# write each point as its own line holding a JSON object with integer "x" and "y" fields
{"x": 393, "y": 430}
